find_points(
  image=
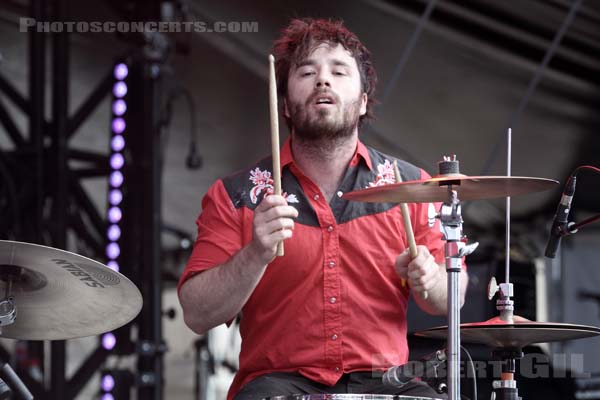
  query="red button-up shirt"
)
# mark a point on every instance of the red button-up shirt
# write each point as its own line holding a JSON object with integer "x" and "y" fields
{"x": 334, "y": 303}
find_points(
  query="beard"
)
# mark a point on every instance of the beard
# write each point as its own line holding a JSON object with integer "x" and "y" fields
{"x": 324, "y": 124}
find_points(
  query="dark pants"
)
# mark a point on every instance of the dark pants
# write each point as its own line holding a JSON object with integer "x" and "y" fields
{"x": 288, "y": 383}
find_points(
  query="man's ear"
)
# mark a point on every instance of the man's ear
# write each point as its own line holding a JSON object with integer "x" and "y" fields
{"x": 286, "y": 111}
{"x": 363, "y": 104}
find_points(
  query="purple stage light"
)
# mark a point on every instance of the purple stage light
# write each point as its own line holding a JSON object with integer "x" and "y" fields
{"x": 116, "y": 179}
{"x": 118, "y": 125}
{"x": 108, "y": 383}
{"x": 115, "y": 197}
{"x": 112, "y": 264}
{"x": 120, "y": 89}
{"x": 121, "y": 71}
{"x": 117, "y": 161}
{"x": 119, "y": 107}
{"x": 117, "y": 143}
{"x": 109, "y": 341}
{"x": 107, "y": 396}
{"x": 113, "y": 250}
{"x": 114, "y": 233}
{"x": 114, "y": 215}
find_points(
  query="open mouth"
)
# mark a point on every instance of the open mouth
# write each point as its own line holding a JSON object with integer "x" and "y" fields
{"x": 324, "y": 100}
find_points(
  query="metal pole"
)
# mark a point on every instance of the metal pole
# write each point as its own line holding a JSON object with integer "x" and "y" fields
{"x": 37, "y": 92}
{"x": 147, "y": 160}
{"x": 60, "y": 109}
{"x": 508, "y": 173}
{"x": 37, "y": 118}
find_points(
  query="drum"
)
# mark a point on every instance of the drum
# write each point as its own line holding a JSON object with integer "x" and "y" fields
{"x": 346, "y": 397}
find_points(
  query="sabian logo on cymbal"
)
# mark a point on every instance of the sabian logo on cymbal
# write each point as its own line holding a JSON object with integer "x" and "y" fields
{"x": 89, "y": 278}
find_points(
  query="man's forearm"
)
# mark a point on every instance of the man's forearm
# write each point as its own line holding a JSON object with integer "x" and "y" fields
{"x": 217, "y": 295}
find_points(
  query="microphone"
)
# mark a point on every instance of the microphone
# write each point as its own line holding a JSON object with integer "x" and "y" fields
{"x": 560, "y": 226}
{"x": 400, "y": 375}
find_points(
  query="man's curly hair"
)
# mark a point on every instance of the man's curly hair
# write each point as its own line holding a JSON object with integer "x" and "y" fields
{"x": 302, "y": 36}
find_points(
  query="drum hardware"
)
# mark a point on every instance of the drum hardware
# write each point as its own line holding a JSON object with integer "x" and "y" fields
{"x": 8, "y": 308}
{"x": 432, "y": 190}
{"x": 506, "y": 387}
{"x": 455, "y": 249}
{"x": 60, "y": 295}
{"x": 444, "y": 187}
{"x": 426, "y": 367}
{"x": 506, "y": 331}
{"x": 336, "y": 396}
{"x": 13, "y": 382}
{"x": 52, "y": 294}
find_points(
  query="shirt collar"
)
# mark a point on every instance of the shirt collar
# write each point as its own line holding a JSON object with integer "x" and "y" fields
{"x": 361, "y": 151}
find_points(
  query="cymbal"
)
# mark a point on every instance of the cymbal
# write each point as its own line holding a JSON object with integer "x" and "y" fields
{"x": 61, "y": 295}
{"x": 498, "y": 334}
{"x": 467, "y": 187}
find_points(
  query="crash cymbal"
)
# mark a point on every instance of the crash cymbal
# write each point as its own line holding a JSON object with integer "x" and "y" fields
{"x": 467, "y": 187}
{"x": 498, "y": 334}
{"x": 62, "y": 295}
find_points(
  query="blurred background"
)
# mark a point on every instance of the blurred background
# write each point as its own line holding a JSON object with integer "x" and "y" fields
{"x": 159, "y": 116}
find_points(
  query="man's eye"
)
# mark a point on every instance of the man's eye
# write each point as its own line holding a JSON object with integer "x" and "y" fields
{"x": 339, "y": 73}
{"x": 307, "y": 73}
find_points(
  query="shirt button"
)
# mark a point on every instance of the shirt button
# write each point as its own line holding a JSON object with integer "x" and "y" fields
{"x": 340, "y": 193}
{"x": 332, "y": 300}
{"x": 337, "y": 369}
{"x": 331, "y": 264}
{"x": 316, "y": 197}
{"x": 330, "y": 228}
{"x": 334, "y": 337}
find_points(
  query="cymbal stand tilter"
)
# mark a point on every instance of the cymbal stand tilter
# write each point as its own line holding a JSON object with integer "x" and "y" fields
{"x": 455, "y": 249}
{"x": 8, "y": 314}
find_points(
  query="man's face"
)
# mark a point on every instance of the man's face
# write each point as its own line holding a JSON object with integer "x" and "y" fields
{"x": 325, "y": 99}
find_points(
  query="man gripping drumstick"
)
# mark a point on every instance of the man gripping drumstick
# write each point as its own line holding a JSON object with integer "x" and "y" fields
{"x": 332, "y": 310}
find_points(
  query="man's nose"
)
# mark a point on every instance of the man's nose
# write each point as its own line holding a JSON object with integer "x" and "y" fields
{"x": 322, "y": 81}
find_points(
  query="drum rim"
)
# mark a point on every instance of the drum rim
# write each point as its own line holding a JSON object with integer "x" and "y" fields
{"x": 346, "y": 396}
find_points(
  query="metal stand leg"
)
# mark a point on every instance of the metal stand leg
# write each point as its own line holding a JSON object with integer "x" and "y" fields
{"x": 453, "y": 334}
{"x": 455, "y": 249}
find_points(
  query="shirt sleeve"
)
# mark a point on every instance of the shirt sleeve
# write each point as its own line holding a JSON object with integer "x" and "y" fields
{"x": 219, "y": 233}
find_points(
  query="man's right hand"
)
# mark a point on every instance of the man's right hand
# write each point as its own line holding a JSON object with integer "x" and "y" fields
{"x": 272, "y": 224}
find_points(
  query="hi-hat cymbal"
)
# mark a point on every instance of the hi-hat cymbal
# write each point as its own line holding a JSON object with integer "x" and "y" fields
{"x": 435, "y": 189}
{"x": 61, "y": 295}
{"x": 498, "y": 334}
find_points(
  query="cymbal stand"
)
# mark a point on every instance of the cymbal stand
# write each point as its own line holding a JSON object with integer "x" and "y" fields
{"x": 8, "y": 307}
{"x": 8, "y": 315}
{"x": 506, "y": 387}
{"x": 504, "y": 304}
{"x": 455, "y": 249}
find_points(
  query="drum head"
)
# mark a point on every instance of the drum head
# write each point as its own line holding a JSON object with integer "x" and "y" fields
{"x": 346, "y": 397}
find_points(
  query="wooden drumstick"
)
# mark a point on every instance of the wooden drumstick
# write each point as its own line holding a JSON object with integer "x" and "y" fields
{"x": 275, "y": 136}
{"x": 410, "y": 235}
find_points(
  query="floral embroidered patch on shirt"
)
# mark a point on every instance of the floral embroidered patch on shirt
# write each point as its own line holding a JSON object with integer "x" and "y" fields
{"x": 385, "y": 174}
{"x": 263, "y": 184}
